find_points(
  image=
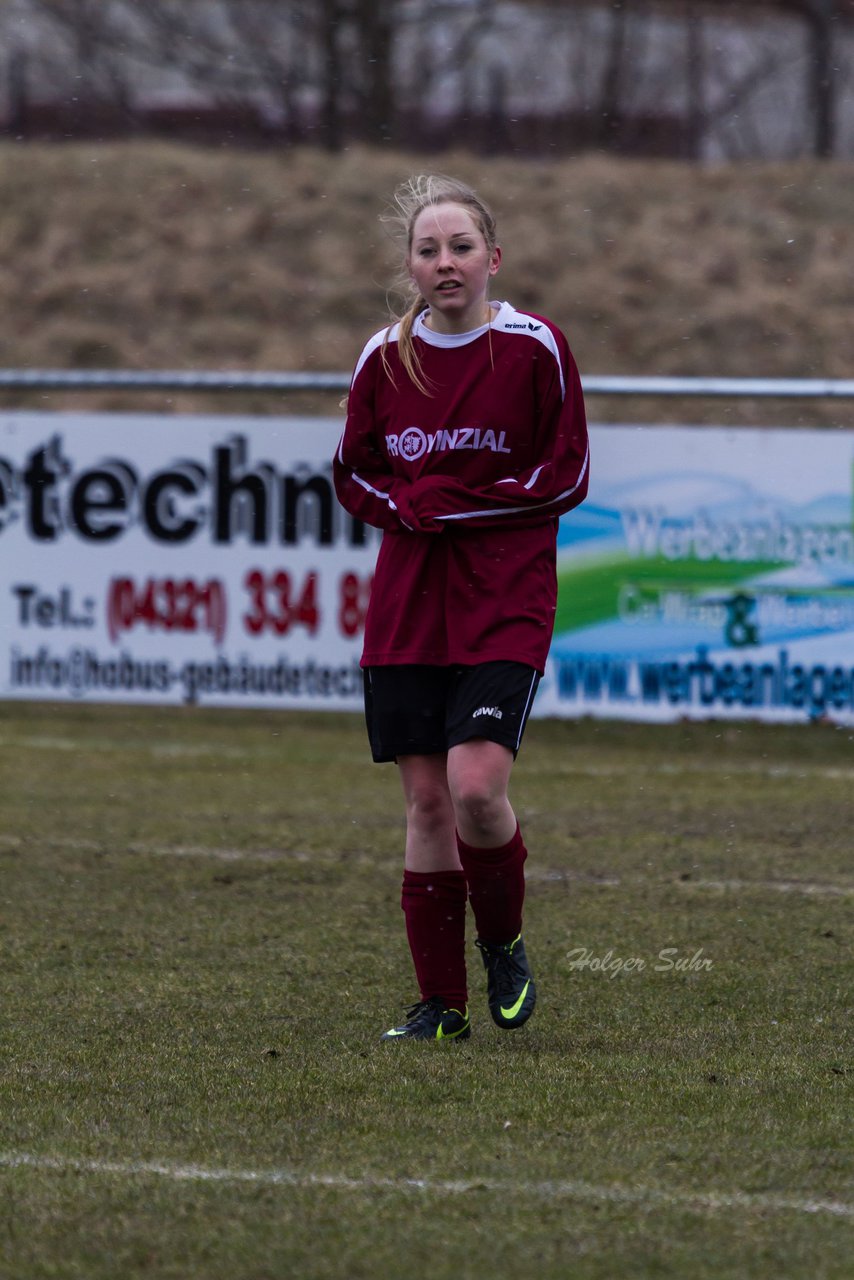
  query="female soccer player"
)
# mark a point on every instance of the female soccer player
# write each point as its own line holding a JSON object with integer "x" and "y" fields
{"x": 465, "y": 440}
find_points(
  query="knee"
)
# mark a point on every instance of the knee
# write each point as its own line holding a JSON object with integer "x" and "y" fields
{"x": 428, "y": 805}
{"x": 478, "y": 800}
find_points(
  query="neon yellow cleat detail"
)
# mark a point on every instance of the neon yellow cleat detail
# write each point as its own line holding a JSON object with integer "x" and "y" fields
{"x": 432, "y": 1020}
{"x": 510, "y": 988}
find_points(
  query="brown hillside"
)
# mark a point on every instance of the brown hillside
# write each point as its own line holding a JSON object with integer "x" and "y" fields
{"x": 148, "y": 256}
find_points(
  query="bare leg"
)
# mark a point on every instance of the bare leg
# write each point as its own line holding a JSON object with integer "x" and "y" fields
{"x": 430, "y": 820}
{"x": 478, "y": 775}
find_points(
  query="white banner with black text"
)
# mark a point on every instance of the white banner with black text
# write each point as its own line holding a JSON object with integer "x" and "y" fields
{"x": 204, "y": 559}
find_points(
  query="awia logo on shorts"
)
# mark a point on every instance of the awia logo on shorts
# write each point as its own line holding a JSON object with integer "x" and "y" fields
{"x": 413, "y": 442}
{"x": 495, "y": 712}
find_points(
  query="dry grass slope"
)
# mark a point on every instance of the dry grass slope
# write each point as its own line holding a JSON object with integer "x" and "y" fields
{"x": 151, "y": 256}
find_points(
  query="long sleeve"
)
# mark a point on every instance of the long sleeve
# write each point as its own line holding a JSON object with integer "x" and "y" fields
{"x": 365, "y": 485}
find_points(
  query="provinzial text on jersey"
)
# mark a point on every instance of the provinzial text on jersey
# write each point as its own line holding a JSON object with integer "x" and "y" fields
{"x": 413, "y": 443}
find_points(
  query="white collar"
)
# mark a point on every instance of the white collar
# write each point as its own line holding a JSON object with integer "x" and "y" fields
{"x": 435, "y": 339}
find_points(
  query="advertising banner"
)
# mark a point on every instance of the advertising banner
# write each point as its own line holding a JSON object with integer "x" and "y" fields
{"x": 166, "y": 559}
{"x": 710, "y": 573}
{"x": 143, "y": 558}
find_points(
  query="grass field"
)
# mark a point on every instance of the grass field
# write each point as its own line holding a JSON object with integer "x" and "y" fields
{"x": 202, "y": 940}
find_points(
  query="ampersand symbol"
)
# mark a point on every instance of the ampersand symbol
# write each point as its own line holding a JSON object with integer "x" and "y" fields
{"x": 740, "y": 631}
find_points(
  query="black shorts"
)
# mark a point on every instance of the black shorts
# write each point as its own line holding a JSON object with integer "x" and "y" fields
{"x": 423, "y": 710}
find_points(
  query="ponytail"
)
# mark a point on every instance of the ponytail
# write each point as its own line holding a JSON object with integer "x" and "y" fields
{"x": 406, "y": 348}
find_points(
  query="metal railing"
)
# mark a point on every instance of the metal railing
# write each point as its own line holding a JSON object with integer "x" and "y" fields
{"x": 243, "y": 380}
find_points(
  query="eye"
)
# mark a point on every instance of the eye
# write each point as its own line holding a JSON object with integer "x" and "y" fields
{"x": 462, "y": 248}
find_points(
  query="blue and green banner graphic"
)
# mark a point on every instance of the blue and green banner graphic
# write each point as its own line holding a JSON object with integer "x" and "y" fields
{"x": 710, "y": 573}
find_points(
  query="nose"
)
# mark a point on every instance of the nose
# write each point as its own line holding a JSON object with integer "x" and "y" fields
{"x": 446, "y": 259}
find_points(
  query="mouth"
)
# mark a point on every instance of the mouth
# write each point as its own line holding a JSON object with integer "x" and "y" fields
{"x": 448, "y": 286}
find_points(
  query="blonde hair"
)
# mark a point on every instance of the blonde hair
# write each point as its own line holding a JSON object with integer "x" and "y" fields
{"x": 410, "y": 199}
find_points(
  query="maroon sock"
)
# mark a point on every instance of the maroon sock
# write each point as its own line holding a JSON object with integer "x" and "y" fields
{"x": 434, "y": 904}
{"x": 496, "y": 881}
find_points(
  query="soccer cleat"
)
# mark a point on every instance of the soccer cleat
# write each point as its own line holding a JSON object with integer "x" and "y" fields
{"x": 432, "y": 1020}
{"x": 510, "y": 986}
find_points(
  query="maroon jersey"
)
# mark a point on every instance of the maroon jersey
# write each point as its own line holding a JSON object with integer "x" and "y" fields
{"x": 467, "y": 484}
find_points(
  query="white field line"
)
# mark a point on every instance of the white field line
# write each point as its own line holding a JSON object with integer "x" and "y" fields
{"x": 177, "y": 750}
{"x": 76, "y": 845}
{"x": 821, "y": 773}
{"x": 645, "y": 1197}
{"x": 808, "y": 888}
{"x": 158, "y": 750}
{"x": 46, "y": 742}
{"x": 665, "y": 768}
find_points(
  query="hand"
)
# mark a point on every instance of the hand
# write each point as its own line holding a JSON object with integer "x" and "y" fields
{"x": 417, "y": 521}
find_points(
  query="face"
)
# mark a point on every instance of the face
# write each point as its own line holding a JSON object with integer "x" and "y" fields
{"x": 450, "y": 264}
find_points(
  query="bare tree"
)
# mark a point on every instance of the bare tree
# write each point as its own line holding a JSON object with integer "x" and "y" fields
{"x": 428, "y": 67}
{"x": 374, "y": 22}
{"x": 818, "y": 126}
{"x": 710, "y": 84}
{"x": 638, "y": 73}
{"x": 85, "y": 56}
{"x": 340, "y": 50}
{"x": 609, "y": 110}
{"x": 821, "y": 17}
{"x": 332, "y": 73}
{"x": 695, "y": 81}
{"x": 270, "y": 53}
{"x": 275, "y": 46}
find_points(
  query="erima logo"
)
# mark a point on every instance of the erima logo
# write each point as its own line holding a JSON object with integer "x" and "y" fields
{"x": 532, "y": 327}
{"x": 495, "y": 712}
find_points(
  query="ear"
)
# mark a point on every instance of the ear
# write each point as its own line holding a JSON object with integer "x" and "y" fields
{"x": 495, "y": 260}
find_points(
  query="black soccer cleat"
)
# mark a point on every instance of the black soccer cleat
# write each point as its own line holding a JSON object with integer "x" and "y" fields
{"x": 432, "y": 1020}
{"x": 510, "y": 986}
